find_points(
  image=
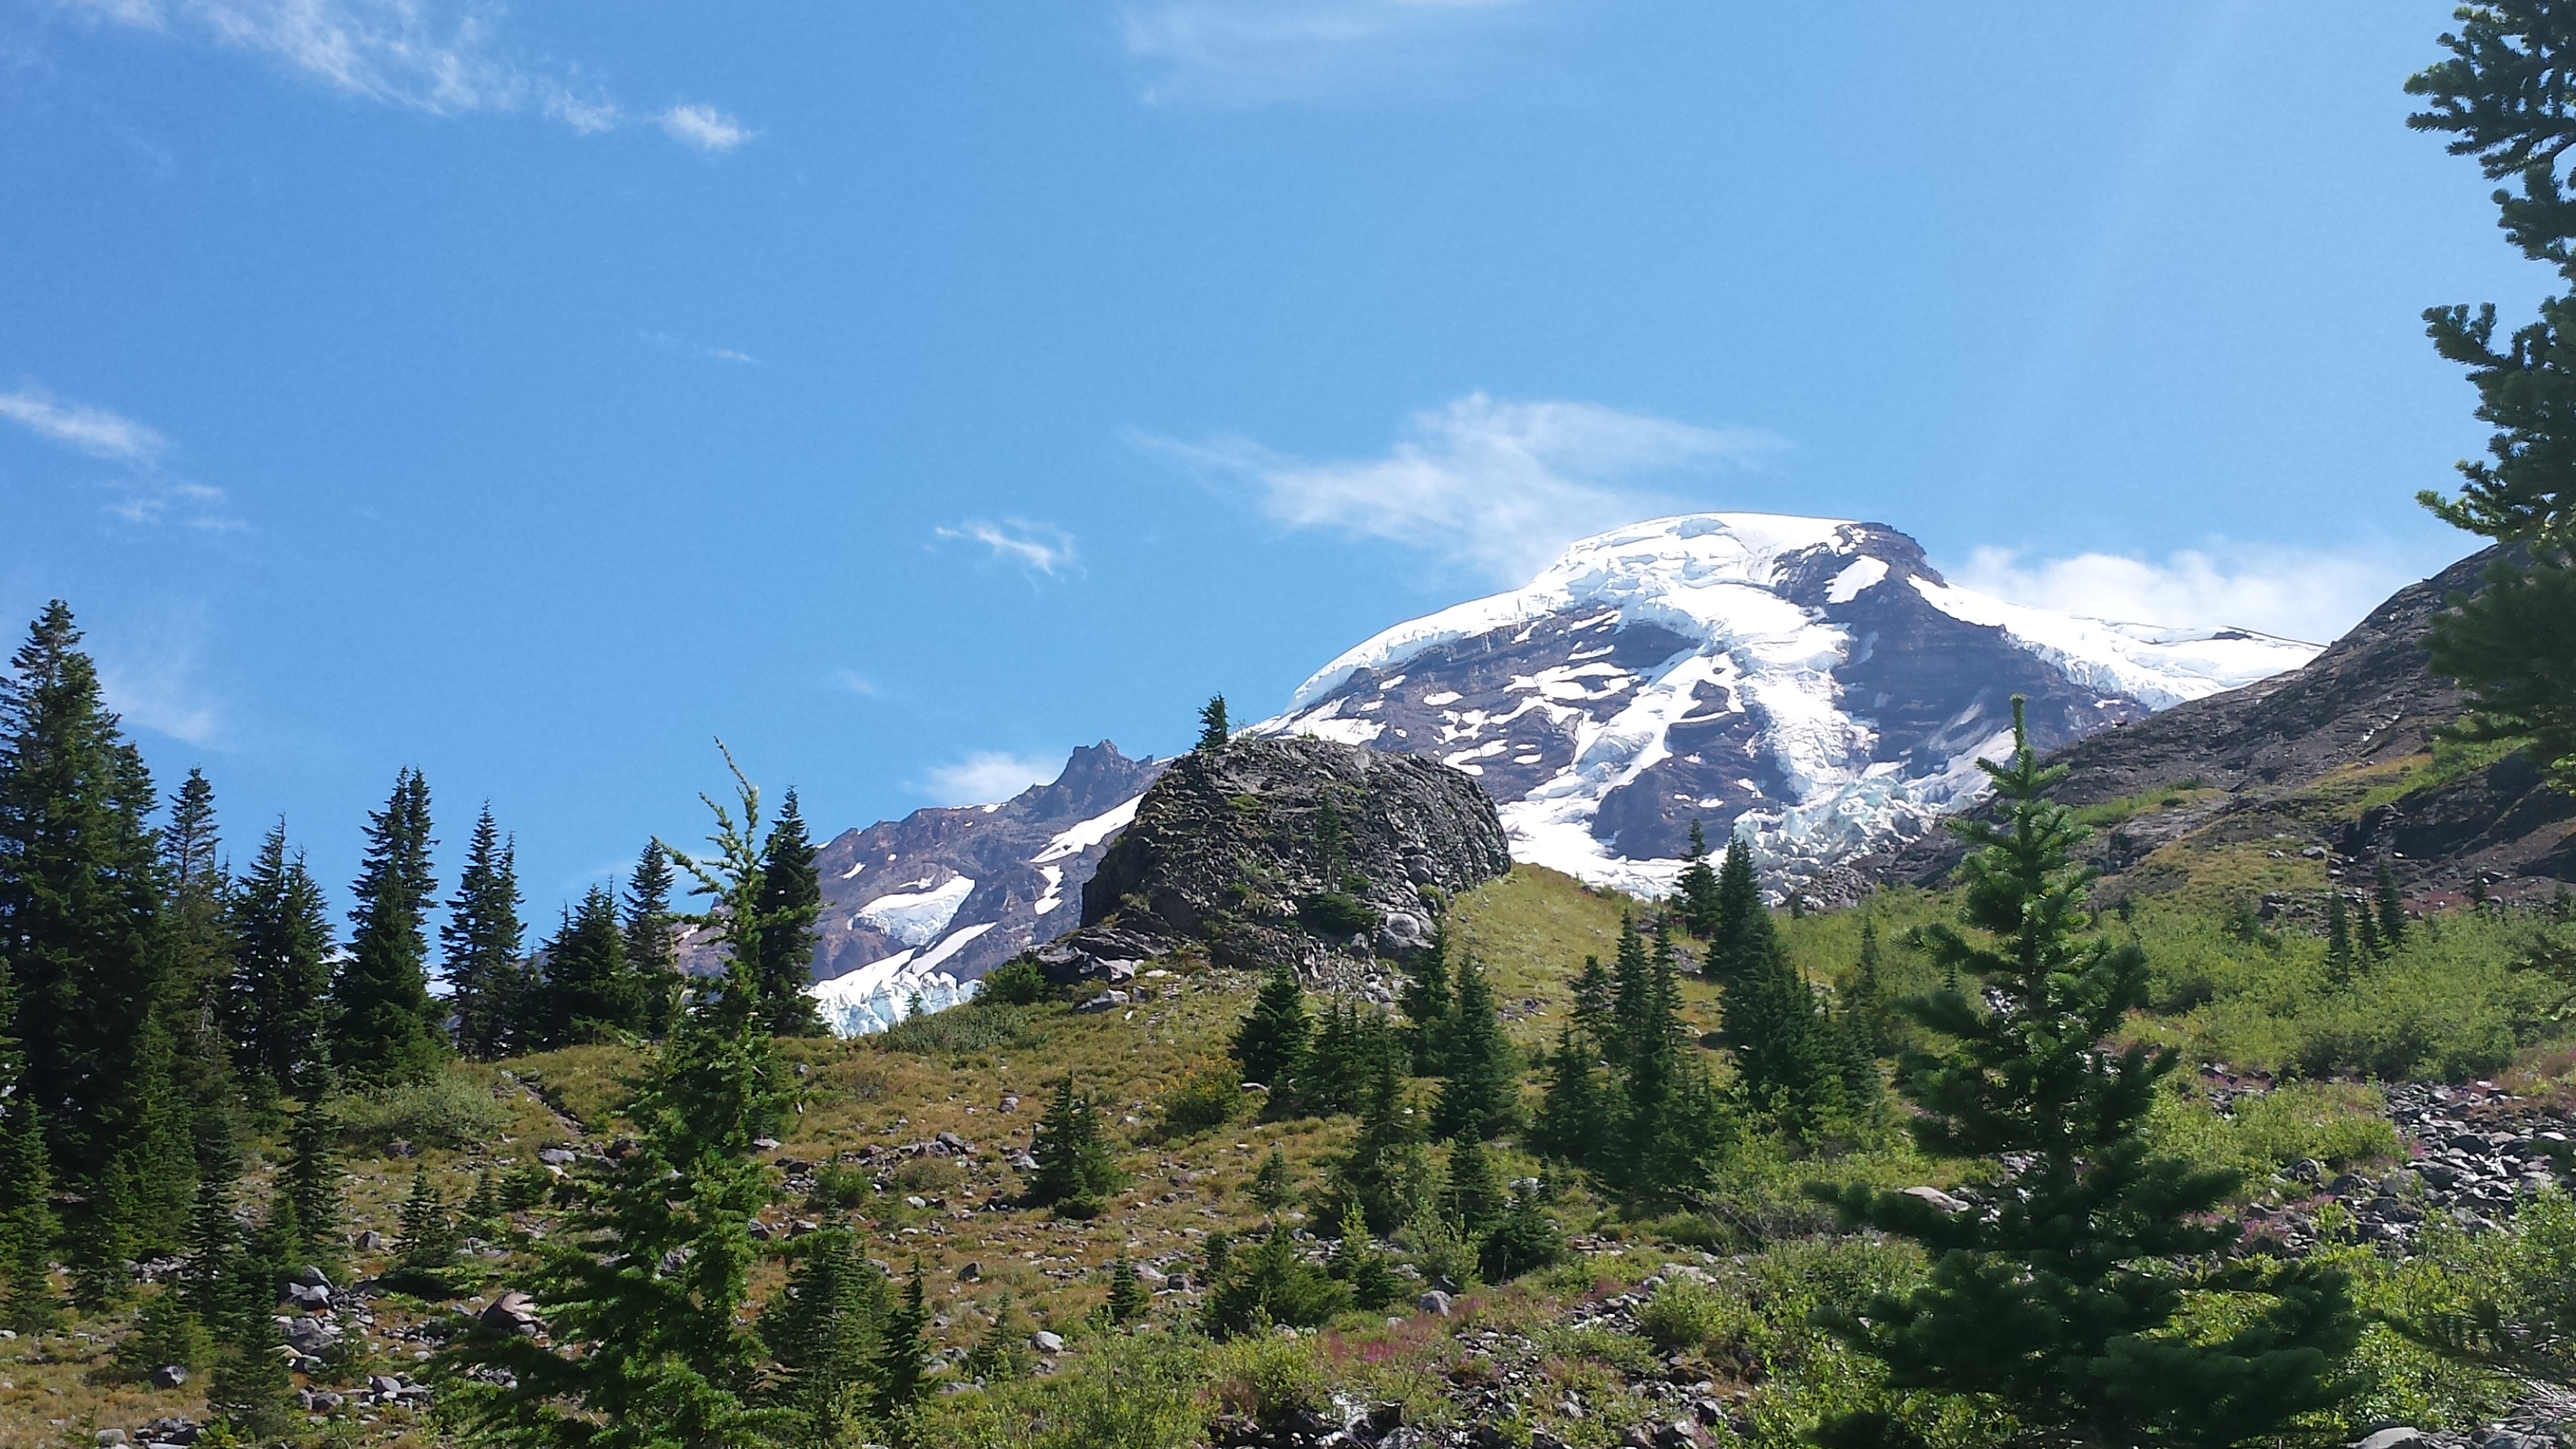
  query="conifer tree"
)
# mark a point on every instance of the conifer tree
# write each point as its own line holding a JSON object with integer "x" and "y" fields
{"x": 212, "y": 1277}
{"x": 1595, "y": 1001}
{"x": 1128, "y": 1299}
{"x": 1213, "y": 730}
{"x": 650, "y": 1274}
{"x": 2056, "y": 1304}
{"x": 1695, "y": 891}
{"x": 424, "y": 1239}
{"x": 2339, "y": 947}
{"x": 1385, "y": 1173}
{"x": 589, "y": 992}
{"x": 1075, "y": 1172}
{"x": 791, "y": 895}
{"x": 310, "y": 1178}
{"x": 2392, "y": 911}
{"x": 481, "y": 944}
{"x": 1425, "y": 1003}
{"x": 1270, "y": 1185}
{"x": 1786, "y": 1060}
{"x": 652, "y": 943}
{"x": 157, "y": 1150}
{"x": 1670, "y": 1123}
{"x": 1271, "y": 1284}
{"x": 197, "y": 941}
{"x": 1347, "y": 1043}
{"x": 385, "y": 1028}
{"x": 903, "y": 1355}
{"x": 826, "y": 1330}
{"x": 2373, "y": 949}
{"x": 1865, "y": 1004}
{"x": 1524, "y": 1238}
{"x": 1573, "y": 1117}
{"x": 1635, "y": 996}
{"x": 80, "y": 903}
{"x": 274, "y": 1009}
{"x": 250, "y": 1390}
{"x": 1273, "y": 1042}
{"x": 1361, "y": 1265}
{"x": 28, "y": 1303}
{"x": 1474, "y": 1196}
{"x": 1480, "y": 1093}
{"x": 2502, "y": 97}
{"x": 1741, "y": 920}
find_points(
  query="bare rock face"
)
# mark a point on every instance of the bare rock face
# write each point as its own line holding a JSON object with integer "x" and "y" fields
{"x": 1292, "y": 849}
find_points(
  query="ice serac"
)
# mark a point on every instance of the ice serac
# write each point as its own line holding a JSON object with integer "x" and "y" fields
{"x": 918, "y": 909}
{"x": 1811, "y": 685}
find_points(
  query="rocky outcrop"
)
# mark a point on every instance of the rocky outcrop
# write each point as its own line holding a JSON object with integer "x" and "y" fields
{"x": 2289, "y": 758}
{"x": 1289, "y": 849}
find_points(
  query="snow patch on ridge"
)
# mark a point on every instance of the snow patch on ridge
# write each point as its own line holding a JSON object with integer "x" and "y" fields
{"x": 916, "y": 918}
{"x": 1089, "y": 833}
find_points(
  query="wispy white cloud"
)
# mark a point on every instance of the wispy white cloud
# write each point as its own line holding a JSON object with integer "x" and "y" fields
{"x": 700, "y": 349}
{"x": 853, "y": 682}
{"x": 1249, "y": 52}
{"x": 140, "y": 490}
{"x": 2296, "y": 593}
{"x": 442, "y": 57}
{"x": 1038, "y": 547}
{"x": 155, "y": 682}
{"x": 988, "y": 776}
{"x": 1496, "y": 487}
{"x": 704, "y": 127}
{"x": 92, "y": 430}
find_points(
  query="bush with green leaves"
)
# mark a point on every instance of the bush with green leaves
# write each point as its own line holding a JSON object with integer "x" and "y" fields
{"x": 453, "y": 1109}
{"x": 1208, "y": 1098}
{"x": 1139, "y": 1390}
{"x": 1271, "y": 1284}
{"x": 1019, "y": 981}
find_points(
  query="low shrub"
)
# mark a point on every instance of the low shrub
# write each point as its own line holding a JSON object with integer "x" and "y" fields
{"x": 1335, "y": 915}
{"x": 450, "y": 1110}
{"x": 1269, "y": 1379}
{"x": 1019, "y": 981}
{"x": 839, "y": 1185}
{"x": 1208, "y": 1098}
{"x": 978, "y": 1026}
{"x": 1684, "y": 1315}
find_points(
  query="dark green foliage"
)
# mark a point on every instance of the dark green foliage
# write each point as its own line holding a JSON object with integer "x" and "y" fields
{"x": 310, "y": 1179}
{"x": 1787, "y": 1061}
{"x": 166, "y": 1331}
{"x": 27, "y": 1299}
{"x": 1595, "y": 1001}
{"x": 1020, "y": 981}
{"x": 1741, "y": 925}
{"x": 589, "y": 992}
{"x": 95, "y": 1241}
{"x": 1076, "y": 1172}
{"x": 250, "y": 1390}
{"x": 197, "y": 946}
{"x": 2056, "y": 1305}
{"x": 482, "y": 1216}
{"x": 903, "y": 1354}
{"x": 385, "y": 1028}
{"x": 791, "y": 896}
{"x": 1523, "y": 1239}
{"x": 1362, "y": 1266}
{"x": 214, "y": 1280}
{"x": 157, "y": 1151}
{"x": 2391, "y": 911}
{"x": 652, "y": 1268}
{"x": 1213, "y": 731}
{"x": 1385, "y": 1173}
{"x": 1271, "y": 1285}
{"x": 1574, "y": 1110}
{"x": 1336, "y": 916}
{"x": 2503, "y": 96}
{"x": 826, "y": 1329}
{"x": 80, "y": 901}
{"x": 1480, "y": 1088}
{"x": 1349, "y": 1041}
{"x": 487, "y": 981}
{"x": 424, "y": 1241}
{"x": 1273, "y": 1042}
{"x": 1473, "y": 1197}
{"x": 1003, "y": 1354}
{"x": 275, "y": 1006}
{"x": 1426, "y": 1004}
{"x": 1695, "y": 893}
{"x": 1128, "y": 1299}
{"x": 1271, "y": 1189}
{"x": 653, "y": 940}
{"x": 1865, "y": 1002}
{"x": 2339, "y": 945}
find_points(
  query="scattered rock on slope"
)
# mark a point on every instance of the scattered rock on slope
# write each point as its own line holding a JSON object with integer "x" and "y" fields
{"x": 1291, "y": 849}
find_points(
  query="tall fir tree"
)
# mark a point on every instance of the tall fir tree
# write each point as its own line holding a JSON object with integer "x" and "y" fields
{"x": 1075, "y": 1172}
{"x": 1636, "y": 996}
{"x": 903, "y": 1356}
{"x": 1213, "y": 730}
{"x": 1384, "y": 1173}
{"x": 310, "y": 1179}
{"x": 1695, "y": 890}
{"x": 1480, "y": 1095}
{"x": 157, "y": 1148}
{"x": 1573, "y": 1122}
{"x": 480, "y": 945}
{"x": 80, "y": 902}
{"x": 1741, "y": 920}
{"x": 197, "y": 938}
{"x": 385, "y": 1028}
{"x": 2339, "y": 943}
{"x": 1596, "y": 999}
{"x": 651, "y": 1273}
{"x": 2502, "y": 97}
{"x": 1273, "y": 1042}
{"x": 825, "y": 1330}
{"x": 792, "y": 895}
{"x": 1473, "y": 1196}
{"x": 1425, "y": 1002}
{"x": 652, "y": 941}
{"x": 589, "y": 993}
{"x": 1865, "y": 1003}
{"x": 28, "y": 1303}
{"x": 1786, "y": 1059}
{"x": 2058, "y": 1304}
{"x": 276, "y": 1005}
{"x": 1670, "y": 1124}
{"x": 2391, "y": 910}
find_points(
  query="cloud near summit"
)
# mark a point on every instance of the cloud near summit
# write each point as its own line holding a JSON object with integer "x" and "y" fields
{"x": 1498, "y": 487}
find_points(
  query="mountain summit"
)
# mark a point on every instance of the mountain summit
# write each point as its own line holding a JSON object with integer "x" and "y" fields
{"x": 1812, "y": 685}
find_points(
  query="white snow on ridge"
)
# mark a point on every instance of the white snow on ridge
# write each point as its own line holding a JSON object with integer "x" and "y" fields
{"x": 2158, "y": 667}
{"x": 883, "y": 992}
{"x": 916, "y": 918}
{"x": 1089, "y": 833}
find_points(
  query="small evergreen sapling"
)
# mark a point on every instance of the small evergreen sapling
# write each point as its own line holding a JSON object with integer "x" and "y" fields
{"x": 1273, "y": 1042}
{"x": 1076, "y": 1172}
{"x": 2057, "y": 1305}
{"x": 1128, "y": 1298}
{"x": 1271, "y": 1187}
{"x": 1213, "y": 730}
{"x": 1695, "y": 890}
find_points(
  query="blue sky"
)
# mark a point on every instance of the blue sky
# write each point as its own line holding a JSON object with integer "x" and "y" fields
{"x": 907, "y": 393}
